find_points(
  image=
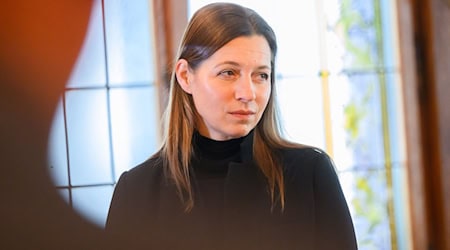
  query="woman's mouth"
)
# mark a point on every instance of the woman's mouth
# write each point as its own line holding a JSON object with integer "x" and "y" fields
{"x": 242, "y": 114}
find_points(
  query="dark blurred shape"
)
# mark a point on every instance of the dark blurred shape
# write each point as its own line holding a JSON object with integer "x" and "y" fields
{"x": 39, "y": 44}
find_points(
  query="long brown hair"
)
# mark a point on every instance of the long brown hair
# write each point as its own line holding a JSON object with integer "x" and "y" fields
{"x": 210, "y": 28}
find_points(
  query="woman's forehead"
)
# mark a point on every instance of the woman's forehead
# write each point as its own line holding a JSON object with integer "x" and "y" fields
{"x": 252, "y": 49}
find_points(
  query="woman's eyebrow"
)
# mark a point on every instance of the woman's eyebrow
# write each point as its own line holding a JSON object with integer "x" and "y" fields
{"x": 233, "y": 63}
{"x": 228, "y": 63}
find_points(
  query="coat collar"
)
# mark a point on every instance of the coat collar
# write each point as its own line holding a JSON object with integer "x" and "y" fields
{"x": 247, "y": 148}
{"x": 244, "y": 182}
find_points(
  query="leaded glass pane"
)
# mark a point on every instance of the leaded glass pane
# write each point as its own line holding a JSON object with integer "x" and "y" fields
{"x": 134, "y": 130}
{"x": 57, "y": 148}
{"x": 367, "y": 195}
{"x": 90, "y": 68}
{"x": 389, "y": 32}
{"x": 300, "y": 103}
{"x": 357, "y": 121}
{"x": 64, "y": 193}
{"x": 396, "y": 117}
{"x": 129, "y": 51}
{"x": 88, "y": 137}
{"x": 400, "y": 201}
{"x": 93, "y": 202}
{"x": 298, "y": 44}
{"x": 351, "y": 35}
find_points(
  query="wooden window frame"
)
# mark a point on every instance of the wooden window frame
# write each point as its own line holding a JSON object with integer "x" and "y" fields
{"x": 170, "y": 19}
{"x": 424, "y": 32}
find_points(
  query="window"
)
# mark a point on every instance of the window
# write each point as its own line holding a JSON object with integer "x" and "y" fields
{"x": 338, "y": 84}
{"x": 106, "y": 121}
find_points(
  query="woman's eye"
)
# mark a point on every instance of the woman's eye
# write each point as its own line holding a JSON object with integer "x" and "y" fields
{"x": 264, "y": 76}
{"x": 227, "y": 73}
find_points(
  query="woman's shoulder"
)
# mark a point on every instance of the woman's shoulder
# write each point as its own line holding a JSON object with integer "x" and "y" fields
{"x": 148, "y": 170}
{"x": 304, "y": 159}
{"x": 302, "y": 153}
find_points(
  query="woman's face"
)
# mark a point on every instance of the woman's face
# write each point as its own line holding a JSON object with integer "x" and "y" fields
{"x": 231, "y": 88}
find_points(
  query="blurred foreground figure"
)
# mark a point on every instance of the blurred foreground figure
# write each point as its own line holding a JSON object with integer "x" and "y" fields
{"x": 40, "y": 42}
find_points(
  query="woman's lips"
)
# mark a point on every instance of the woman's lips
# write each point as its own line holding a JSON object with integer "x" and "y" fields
{"x": 242, "y": 114}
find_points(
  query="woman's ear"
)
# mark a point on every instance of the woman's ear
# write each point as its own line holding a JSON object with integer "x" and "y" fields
{"x": 182, "y": 72}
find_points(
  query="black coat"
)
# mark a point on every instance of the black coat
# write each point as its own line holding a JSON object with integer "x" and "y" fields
{"x": 147, "y": 212}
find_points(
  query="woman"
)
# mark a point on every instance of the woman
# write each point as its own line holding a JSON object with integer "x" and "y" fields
{"x": 224, "y": 178}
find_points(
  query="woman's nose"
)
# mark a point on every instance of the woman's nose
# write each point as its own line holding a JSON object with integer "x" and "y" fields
{"x": 245, "y": 89}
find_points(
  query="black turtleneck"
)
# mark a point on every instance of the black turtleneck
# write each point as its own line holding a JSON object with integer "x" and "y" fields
{"x": 232, "y": 209}
{"x": 210, "y": 165}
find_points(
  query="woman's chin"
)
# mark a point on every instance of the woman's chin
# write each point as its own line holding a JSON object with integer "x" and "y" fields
{"x": 227, "y": 134}
{"x": 237, "y": 134}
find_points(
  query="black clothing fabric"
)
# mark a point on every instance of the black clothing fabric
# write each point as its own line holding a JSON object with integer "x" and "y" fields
{"x": 210, "y": 166}
{"x": 232, "y": 207}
